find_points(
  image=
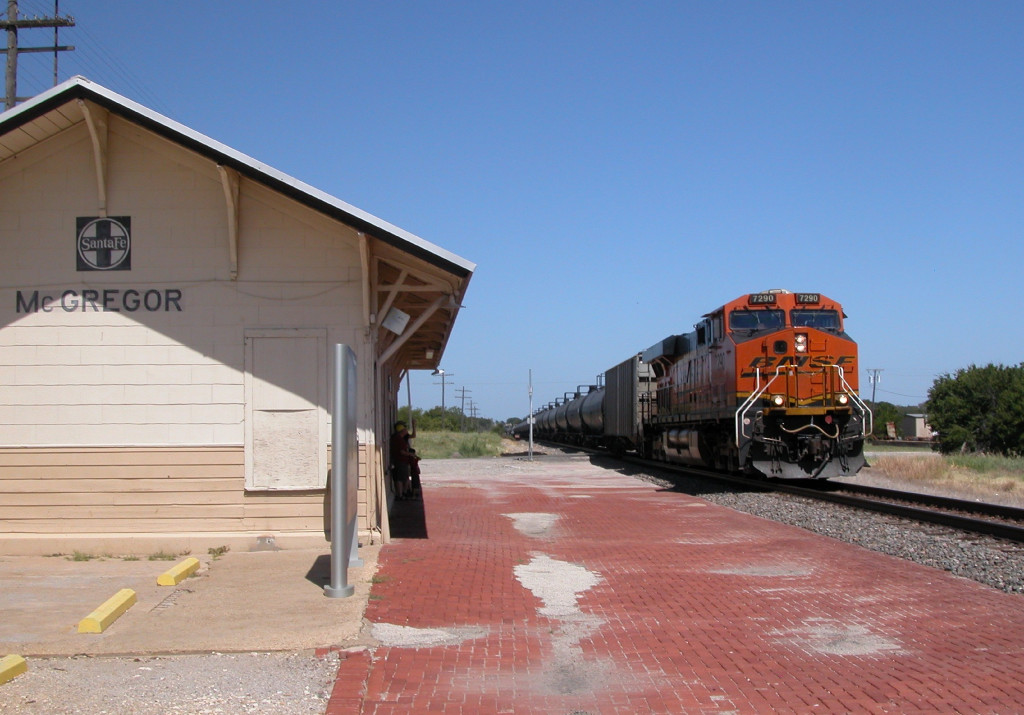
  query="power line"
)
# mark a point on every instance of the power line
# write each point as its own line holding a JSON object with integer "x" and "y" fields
{"x": 98, "y": 63}
{"x": 93, "y": 60}
{"x": 12, "y": 24}
{"x": 919, "y": 398}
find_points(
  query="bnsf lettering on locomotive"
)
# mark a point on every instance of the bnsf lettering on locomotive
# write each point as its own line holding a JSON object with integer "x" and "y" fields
{"x": 771, "y": 362}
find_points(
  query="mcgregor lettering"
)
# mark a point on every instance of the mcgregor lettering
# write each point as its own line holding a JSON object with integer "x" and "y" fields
{"x": 107, "y": 300}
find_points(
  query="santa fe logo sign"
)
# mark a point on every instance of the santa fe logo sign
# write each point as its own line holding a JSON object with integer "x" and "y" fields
{"x": 104, "y": 244}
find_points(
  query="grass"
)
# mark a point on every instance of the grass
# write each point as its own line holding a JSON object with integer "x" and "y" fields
{"x": 217, "y": 552}
{"x": 980, "y": 474}
{"x": 449, "y": 445}
{"x": 158, "y": 556}
{"x": 162, "y": 556}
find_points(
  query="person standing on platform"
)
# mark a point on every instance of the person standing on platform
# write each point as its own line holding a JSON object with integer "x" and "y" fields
{"x": 405, "y": 470}
{"x": 414, "y": 465}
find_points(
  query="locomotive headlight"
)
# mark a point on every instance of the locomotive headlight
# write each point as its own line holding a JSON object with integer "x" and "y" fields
{"x": 777, "y": 400}
{"x": 800, "y": 342}
{"x": 843, "y": 399}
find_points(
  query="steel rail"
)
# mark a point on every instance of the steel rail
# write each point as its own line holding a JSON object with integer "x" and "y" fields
{"x": 1001, "y": 511}
{"x": 1003, "y": 530}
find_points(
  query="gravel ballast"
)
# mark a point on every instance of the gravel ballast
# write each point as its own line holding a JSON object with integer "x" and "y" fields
{"x": 991, "y": 561}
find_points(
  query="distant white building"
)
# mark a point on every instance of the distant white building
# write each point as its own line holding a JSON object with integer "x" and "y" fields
{"x": 168, "y": 309}
{"x": 915, "y": 427}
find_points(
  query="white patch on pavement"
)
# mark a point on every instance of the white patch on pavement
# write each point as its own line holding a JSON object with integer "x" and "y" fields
{"x": 833, "y": 638}
{"x": 557, "y": 583}
{"x": 535, "y": 525}
{"x": 389, "y": 634}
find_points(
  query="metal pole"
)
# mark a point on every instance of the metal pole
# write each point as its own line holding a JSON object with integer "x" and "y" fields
{"x": 530, "y": 418}
{"x": 408, "y": 399}
{"x": 439, "y": 372}
{"x": 342, "y": 538}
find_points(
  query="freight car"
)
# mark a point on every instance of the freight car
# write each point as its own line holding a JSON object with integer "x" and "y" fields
{"x": 767, "y": 383}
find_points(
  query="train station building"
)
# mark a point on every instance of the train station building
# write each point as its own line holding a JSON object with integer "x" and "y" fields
{"x": 169, "y": 307}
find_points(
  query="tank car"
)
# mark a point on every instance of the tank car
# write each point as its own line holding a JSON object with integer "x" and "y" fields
{"x": 766, "y": 383}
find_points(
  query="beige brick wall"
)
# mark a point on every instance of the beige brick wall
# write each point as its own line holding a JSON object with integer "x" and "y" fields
{"x": 127, "y": 428}
{"x": 95, "y": 377}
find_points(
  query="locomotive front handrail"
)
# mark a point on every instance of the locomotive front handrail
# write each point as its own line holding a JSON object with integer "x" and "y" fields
{"x": 754, "y": 396}
{"x": 869, "y": 421}
{"x": 759, "y": 390}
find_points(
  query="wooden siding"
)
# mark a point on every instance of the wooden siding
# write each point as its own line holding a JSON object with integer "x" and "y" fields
{"x": 104, "y": 498}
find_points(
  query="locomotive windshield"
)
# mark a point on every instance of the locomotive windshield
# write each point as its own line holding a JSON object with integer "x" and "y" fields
{"x": 756, "y": 320}
{"x": 820, "y": 319}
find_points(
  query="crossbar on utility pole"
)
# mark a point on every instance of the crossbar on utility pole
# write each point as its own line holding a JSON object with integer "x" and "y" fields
{"x": 12, "y": 24}
{"x": 874, "y": 380}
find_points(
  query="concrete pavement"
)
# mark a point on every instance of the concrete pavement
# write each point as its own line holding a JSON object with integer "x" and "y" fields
{"x": 238, "y": 602}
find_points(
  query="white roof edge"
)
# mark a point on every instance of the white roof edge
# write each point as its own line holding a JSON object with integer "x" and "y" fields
{"x": 239, "y": 157}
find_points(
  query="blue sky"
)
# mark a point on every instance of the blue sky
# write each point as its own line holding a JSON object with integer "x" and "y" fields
{"x": 617, "y": 169}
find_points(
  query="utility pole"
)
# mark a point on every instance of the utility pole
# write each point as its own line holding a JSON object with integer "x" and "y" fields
{"x": 12, "y": 24}
{"x": 874, "y": 379}
{"x": 530, "y": 418}
{"x": 464, "y": 391}
{"x": 444, "y": 381}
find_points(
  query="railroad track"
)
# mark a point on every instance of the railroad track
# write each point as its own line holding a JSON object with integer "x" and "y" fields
{"x": 976, "y": 517}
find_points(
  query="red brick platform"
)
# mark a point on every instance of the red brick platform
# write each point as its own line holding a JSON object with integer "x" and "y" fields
{"x": 555, "y": 586}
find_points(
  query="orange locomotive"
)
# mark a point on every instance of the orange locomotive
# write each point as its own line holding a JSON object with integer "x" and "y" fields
{"x": 767, "y": 382}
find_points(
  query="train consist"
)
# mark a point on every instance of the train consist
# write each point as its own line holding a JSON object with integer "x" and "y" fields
{"x": 765, "y": 384}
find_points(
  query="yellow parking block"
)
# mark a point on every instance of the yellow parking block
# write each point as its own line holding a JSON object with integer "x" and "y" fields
{"x": 11, "y": 666}
{"x": 179, "y": 573}
{"x": 112, "y": 609}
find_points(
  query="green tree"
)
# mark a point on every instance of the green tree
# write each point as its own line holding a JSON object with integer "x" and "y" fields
{"x": 979, "y": 409}
{"x": 884, "y": 412}
{"x": 454, "y": 420}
